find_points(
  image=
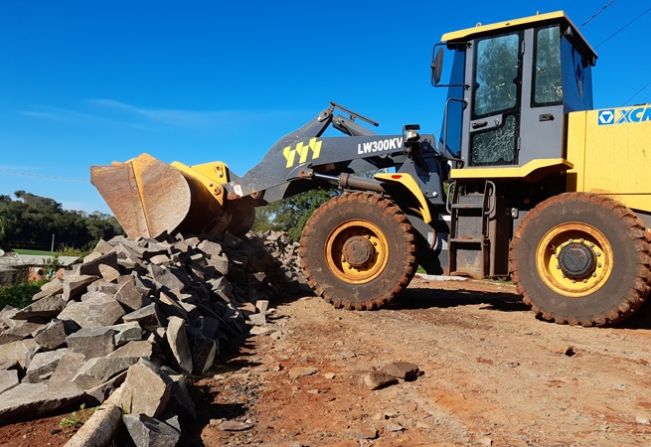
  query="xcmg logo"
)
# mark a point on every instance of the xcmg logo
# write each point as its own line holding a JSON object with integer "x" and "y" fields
{"x": 621, "y": 116}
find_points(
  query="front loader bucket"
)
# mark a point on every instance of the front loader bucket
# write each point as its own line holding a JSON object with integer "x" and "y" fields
{"x": 150, "y": 198}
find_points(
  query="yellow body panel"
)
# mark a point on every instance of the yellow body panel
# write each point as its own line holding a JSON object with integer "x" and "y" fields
{"x": 211, "y": 175}
{"x": 408, "y": 182}
{"x": 611, "y": 153}
{"x": 533, "y": 168}
{"x": 496, "y": 28}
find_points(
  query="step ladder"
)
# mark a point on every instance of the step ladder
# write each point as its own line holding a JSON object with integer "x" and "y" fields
{"x": 470, "y": 205}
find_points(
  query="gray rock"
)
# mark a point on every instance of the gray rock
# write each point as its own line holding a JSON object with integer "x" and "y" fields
{"x": 52, "y": 335}
{"x": 161, "y": 259}
{"x": 92, "y": 266}
{"x": 262, "y": 306}
{"x": 43, "y": 365}
{"x": 18, "y": 351}
{"x": 164, "y": 277}
{"x": 210, "y": 248}
{"x": 146, "y": 390}
{"x": 19, "y": 330}
{"x": 102, "y": 247}
{"x": 129, "y": 295}
{"x": 170, "y": 307}
{"x": 219, "y": 263}
{"x": 92, "y": 342}
{"x": 374, "y": 380}
{"x": 258, "y": 319}
{"x": 8, "y": 379}
{"x": 204, "y": 351}
{"x": 38, "y": 399}
{"x": 149, "y": 432}
{"x": 231, "y": 425}
{"x": 103, "y": 286}
{"x": 178, "y": 341}
{"x": 148, "y": 317}
{"x": 47, "y": 307}
{"x": 95, "y": 311}
{"x": 109, "y": 273}
{"x": 53, "y": 287}
{"x": 74, "y": 286}
{"x": 401, "y": 370}
{"x": 99, "y": 370}
{"x": 68, "y": 367}
{"x": 126, "y": 332}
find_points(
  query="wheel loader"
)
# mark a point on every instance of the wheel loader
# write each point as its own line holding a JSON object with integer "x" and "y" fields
{"x": 525, "y": 180}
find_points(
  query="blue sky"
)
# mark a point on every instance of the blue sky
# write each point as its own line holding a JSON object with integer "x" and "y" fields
{"x": 89, "y": 82}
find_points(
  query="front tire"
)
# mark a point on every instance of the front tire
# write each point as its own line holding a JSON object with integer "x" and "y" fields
{"x": 581, "y": 258}
{"x": 358, "y": 251}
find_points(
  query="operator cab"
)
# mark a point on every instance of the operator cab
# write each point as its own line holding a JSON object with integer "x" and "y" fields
{"x": 511, "y": 85}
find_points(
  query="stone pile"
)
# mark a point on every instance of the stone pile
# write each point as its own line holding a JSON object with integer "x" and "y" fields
{"x": 285, "y": 251}
{"x": 146, "y": 314}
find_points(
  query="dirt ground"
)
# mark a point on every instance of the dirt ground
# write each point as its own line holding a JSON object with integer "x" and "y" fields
{"x": 492, "y": 375}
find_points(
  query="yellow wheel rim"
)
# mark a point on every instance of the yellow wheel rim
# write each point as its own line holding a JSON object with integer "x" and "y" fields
{"x": 589, "y": 239}
{"x": 357, "y": 251}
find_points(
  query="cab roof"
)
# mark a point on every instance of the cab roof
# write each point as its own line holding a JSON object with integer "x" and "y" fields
{"x": 524, "y": 22}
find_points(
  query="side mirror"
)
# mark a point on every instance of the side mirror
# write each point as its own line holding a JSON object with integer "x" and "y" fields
{"x": 437, "y": 66}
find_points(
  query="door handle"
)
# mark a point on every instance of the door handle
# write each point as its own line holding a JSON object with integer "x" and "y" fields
{"x": 545, "y": 117}
{"x": 479, "y": 124}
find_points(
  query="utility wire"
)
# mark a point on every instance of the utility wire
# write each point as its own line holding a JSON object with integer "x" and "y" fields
{"x": 637, "y": 93}
{"x": 48, "y": 177}
{"x": 596, "y": 13}
{"x": 635, "y": 19}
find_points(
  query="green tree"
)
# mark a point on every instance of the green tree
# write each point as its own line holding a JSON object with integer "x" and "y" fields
{"x": 291, "y": 214}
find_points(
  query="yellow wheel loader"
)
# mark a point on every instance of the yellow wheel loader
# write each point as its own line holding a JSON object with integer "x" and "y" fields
{"x": 525, "y": 179}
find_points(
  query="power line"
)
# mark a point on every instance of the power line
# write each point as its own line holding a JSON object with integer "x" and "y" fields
{"x": 596, "y": 13}
{"x": 637, "y": 93}
{"x": 47, "y": 177}
{"x": 635, "y": 19}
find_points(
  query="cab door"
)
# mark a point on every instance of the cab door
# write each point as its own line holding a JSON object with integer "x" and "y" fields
{"x": 495, "y": 101}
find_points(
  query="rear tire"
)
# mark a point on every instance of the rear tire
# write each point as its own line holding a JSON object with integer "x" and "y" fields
{"x": 358, "y": 251}
{"x": 581, "y": 258}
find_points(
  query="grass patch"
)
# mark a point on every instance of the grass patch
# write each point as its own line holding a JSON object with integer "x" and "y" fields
{"x": 19, "y": 295}
{"x": 28, "y": 251}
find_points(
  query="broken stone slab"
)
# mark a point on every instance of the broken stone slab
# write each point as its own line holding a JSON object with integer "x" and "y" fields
{"x": 165, "y": 277}
{"x": 43, "y": 365}
{"x": 231, "y": 425}
{"x": 401, "y": 370}
{"x": 130, "y": 296}
{"x": 33, "y": 400}
{"x": 262, "y": 306}
{"x": 102, "y": 247}
{"x": 178, "y": 341}
{"x": 170, "y": 307}
{"x": 204, "y": 351}
{"x": 109, "y": 273}
{"x": 67, "y": 368}
{"x": 52, "y": 335}
{"x": 375, "y": 380}
{"x": 53, "y": 287}
{"x": 92, "y": 342}
{"x": 99, "y": 370}
{"x": 258, "y": 319}
{"x": 146, "y": 431}
{"x": 92, "y": 266}
{"x": 210, "y": 248}
{"x": 161, "y": 259}
{"x": 146, "y": 390}
{"x": 75, "y": 285}
{"x": 8, "y": 379}
{"x": 46, "y": 307}
{"x": 101, "y": 285}
{"x": 19, "y": 330}
{"x": 18, "y": 351}
{"x": 148, "y": 317}
{"x": 221, "y": 264}
{"x": 126, "y": 332}
{"x": 95, "y": 311}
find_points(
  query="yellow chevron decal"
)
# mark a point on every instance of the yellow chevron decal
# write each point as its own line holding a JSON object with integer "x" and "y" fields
{"x": 303, "y": 152}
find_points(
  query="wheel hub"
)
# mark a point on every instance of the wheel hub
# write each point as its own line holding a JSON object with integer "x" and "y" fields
{"x": 357, "y": 251}
{"x": 577, "y": 260}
